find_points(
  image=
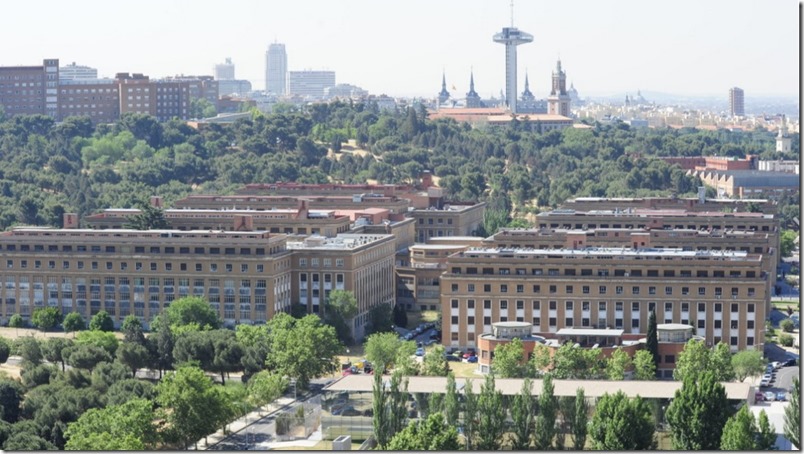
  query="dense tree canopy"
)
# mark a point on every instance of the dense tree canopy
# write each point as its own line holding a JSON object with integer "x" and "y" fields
{"x": 51, "y": 169}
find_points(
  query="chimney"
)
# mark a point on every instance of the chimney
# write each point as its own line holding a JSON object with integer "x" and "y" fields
{"x": 701, "y": 194}
{"x": 243, "y": 223}
{"x": 156, "y": 201}
{"x": 304, "y": 210}
{"x": 427, "y": 179}
{"x": 70, "y": 220}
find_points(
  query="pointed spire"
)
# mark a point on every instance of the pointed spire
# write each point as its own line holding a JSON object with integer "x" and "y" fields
{"x": 443, "y": 80}
{"x": 471, "y": 80}
{"x": 527, "y": 85}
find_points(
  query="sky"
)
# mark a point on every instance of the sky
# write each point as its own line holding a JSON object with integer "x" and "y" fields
{"x": 400, "y": 47}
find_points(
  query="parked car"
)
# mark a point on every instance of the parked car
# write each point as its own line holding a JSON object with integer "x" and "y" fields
{"x": 770, "y": 396}
{"x": 764, "y": 383}
{"x": 759, "y": 396}
{"x": 776, "y": 365}
{"x": 781, "y": 396}
{"x": 471, "y": 359}
{"x": 790, "y": 362}
{"x": 452, "y": 358}
{"x": 419, "y": 351}
{"x": 768, "y": 376}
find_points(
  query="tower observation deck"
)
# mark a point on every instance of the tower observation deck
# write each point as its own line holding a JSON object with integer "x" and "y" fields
{"x": 511, "y": 37}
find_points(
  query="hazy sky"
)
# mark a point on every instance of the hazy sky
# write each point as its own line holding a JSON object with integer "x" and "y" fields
{"x": 399, "y": 47}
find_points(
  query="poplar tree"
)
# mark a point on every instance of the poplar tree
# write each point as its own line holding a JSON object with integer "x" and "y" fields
{"x": 522, "y": 415}
{"x": 491, "y": 413}
{"x": 792, "y": 416}
{"x": 546, "y": 419}
{"x": 469, "y": 416}
{"x": 652, "y": 343}
{"x": 580, "y": 421}
{"x": 451, "y": 408}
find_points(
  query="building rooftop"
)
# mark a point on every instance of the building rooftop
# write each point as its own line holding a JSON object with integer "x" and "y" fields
{"x": 590, "y": 332}
{"x": 643, "y": 213}
{"x": 602, "y": 251}
{"x": 673, "y": 326}
{"x": 52, "y": 231}
{"x": 513, "y": 386}
{"x": 344, "y": 241}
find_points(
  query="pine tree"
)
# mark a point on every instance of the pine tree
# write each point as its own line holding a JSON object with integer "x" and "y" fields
{"x": 697, "y": 413}
{"x": 739, "y": 432}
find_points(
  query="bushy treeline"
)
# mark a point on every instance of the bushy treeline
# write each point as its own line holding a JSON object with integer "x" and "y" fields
{"x": 85, "y": 393}
{"x": 76, "y": 166}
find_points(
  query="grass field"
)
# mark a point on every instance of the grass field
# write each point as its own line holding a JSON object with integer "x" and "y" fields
{"x": 415, "y": 318}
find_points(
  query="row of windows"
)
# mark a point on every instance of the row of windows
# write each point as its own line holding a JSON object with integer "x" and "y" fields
{"x": 438, "y": 221}
{"x": 601, "y": 272}
{"x": 88, "y": 90}
{"x": 602, "y": 305}
{"x": 137, "y": 249}
{"x": 603, "y": 289}
{"x": 586, "y": 322}
{"x": 763, "y": 228}
{"x": 314, "y": 261}
{"x": 757, "y": 250}
{"x": 138, "y": 266}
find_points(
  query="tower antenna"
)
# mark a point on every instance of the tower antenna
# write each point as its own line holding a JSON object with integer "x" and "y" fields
{"x": 512, "y": 13}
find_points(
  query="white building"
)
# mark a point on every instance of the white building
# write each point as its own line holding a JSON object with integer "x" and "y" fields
{"x": 73, "y": 71}
{"x": 276, "y": 69}
{"x": 311, "y": 84}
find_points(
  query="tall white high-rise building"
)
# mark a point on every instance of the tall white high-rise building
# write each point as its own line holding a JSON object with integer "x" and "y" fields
{"x": 224, "y": 71}
{"x": 276, "y": 69}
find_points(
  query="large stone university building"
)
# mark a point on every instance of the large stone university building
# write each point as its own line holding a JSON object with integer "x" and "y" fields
{"x": 247, "y": 277}
{"x": 720, "y": 293}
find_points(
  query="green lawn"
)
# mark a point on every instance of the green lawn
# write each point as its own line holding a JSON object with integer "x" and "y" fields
{"x": 415, "y": 318}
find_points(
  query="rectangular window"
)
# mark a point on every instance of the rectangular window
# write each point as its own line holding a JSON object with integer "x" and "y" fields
{"x": 504, "y": 305}
{"x": 569, "y": 290}
{"x": 602, "y": 289}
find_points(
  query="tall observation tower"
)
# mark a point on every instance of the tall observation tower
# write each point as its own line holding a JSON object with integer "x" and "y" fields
{"x": 511, "y": 37}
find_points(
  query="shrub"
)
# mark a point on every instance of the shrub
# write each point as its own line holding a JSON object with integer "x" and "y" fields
{"x": 786, "y": 325}
{"x": 786, "y": 340}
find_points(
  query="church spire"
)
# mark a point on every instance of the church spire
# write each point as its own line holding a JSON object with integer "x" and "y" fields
{"x": 443, "y": 95}
{"x": 472, "y": 98}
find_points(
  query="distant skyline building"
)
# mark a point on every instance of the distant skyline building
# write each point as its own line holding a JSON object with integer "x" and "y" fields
{"x": 224, "y": 71}
{"x": 472, "y": 98}
{"x": 73, "y": 72}
{"x": 736, "y": 102}
{"x": 276, "y": 70}
{"x": 443, "y": 95}
{"x": 783, "y": 141}
{"x": 528, "y": 103}
{"x": 558, "y": 103}
{"x": 511, "y": 37}
{"x": 312, "y": 84}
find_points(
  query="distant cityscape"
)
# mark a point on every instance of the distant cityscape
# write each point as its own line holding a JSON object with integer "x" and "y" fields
{"x": 61, "y": 91}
